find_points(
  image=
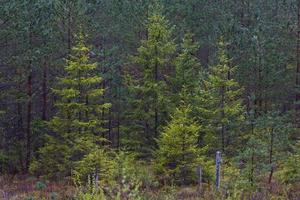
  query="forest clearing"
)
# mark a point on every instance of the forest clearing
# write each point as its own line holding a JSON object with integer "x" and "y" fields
{"x": 149, "y": 99}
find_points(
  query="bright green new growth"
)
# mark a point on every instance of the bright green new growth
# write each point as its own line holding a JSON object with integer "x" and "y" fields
{"x": 178, "y": 154}
{"x": 76, "y": 126}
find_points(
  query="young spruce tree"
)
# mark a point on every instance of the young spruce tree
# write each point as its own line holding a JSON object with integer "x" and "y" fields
{"x": 76, "y": 127}
{"x": 178, "y": 153}
{"x": 149, "y": 103}
{"x": 220, "y": 103}
{"x": 187, "y": 68}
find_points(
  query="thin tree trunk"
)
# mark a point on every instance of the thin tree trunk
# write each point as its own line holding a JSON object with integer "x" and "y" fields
{"x": 271, "y": 156}
{"x": 156, "y": 98}
{"x": 222, "y": 124}
{"x": 20, "y": 128}
{"x": 118, "y": 130}
{"x": 118, "y": 119}
{"x": 69, "y": 27}
{"x": 260, "y": 100}
{"x": 29, "y": 107}
{"x": 252, "y": 158}
{"x": 297, "y": 107}
{"x": 45, "y": 91}
{"x": 103, "y": 87}
{"x": 29, "y": 119}
{"x": 109, "y": 128}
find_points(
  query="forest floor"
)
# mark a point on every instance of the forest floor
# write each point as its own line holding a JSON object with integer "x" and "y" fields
{"x": 24, "y": 187}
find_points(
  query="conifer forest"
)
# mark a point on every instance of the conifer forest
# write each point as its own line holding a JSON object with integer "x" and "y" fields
{"x": 150, "y": 99}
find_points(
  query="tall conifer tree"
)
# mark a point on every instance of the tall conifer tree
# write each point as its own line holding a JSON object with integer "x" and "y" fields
{"x": 150, "y": 102}
{"x": 187, "y": 68}
{"x": 76, "y": 128}
{"x": 221, "y": 102}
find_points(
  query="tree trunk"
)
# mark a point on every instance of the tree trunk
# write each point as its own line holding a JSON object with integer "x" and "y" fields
{"x": 118, "y": 130}
{"x": 297, "y": 106}
{"x": 20, "y": 128}
{"x": 69, "y": 27}
{"x": 118, "y": 119}
{"x": 156, "y": 98}
{"x": 222, "y": 117}
{"x": 29, "y": 119}
{"x": 29, "y": 107}
{"x": 110, "y": 138}
{"x": 271, "y": 156}
{"x": 45, "y": 91}
{"x": 252, "y": 157}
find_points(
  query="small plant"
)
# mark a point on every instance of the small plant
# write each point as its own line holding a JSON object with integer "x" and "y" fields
{"x": 90, "y": 191}
{"x": 40, "y": 185}
{"x": 53, "y": 196}
{"x": 29, "y": 198}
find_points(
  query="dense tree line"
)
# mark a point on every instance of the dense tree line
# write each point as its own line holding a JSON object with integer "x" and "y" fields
{"x": 172, "y": 81}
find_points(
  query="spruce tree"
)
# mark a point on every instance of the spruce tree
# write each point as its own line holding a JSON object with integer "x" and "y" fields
{"x": 75, "y": 128}
{"x": 149, "y": 101}
{"x": 187, "y": 68}
{"x": 178, "y": 153}
{"x": 220, "y": 105}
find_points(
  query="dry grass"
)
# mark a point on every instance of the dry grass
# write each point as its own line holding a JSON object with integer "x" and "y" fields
{"x": 23, "y": 187}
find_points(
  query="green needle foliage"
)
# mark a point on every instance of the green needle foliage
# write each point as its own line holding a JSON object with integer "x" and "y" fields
{"x": 177, "y": 96}
{"x": 263, "y": 153}
{"x": 220, "y": 100}
{"x": 77, "y": 125}
{"x": 150, "y": 102}
{"x": 187, "y": 68}
{"x": 178, "y": 153}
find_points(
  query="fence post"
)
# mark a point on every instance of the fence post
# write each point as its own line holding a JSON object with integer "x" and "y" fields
{"x": 199, "y": 172}
{"x": 218, "y": 169}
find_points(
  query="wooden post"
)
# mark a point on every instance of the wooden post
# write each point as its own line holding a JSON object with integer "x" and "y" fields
{"x": 96, "y": 178}
{"x": 199, "y": 172}
{"x": 218, "y": 169}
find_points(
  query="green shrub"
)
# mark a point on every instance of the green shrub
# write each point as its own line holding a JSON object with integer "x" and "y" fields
{"x": 98, "y": 165}
{"x": 40, "y": 185}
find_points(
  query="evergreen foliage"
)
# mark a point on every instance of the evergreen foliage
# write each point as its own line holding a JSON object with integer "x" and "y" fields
{"x": 150, "y": 103}
{"x": 289, "y": 171}
{"x": 76, "y": 128}
{"x": 172, "y": 104}
{"x": 187, "y": 69}
{"x": 221, "y": 103}
{"x": 264, "y": 150}
{"x": 178, "y": 154}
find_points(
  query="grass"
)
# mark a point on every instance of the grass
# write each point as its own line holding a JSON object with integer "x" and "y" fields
{"x": 27, "y": 187}
{"x": 24, "y": 187}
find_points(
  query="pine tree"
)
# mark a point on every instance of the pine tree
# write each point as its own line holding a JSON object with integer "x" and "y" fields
{"x": 289, "y": 171}
{"x": 178, "y": 153}
{"x": 149, "y": 101}
{"x": 220, "y": 101}
{"x": 76, "y": 127}
{"x": 266, "y": 148}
